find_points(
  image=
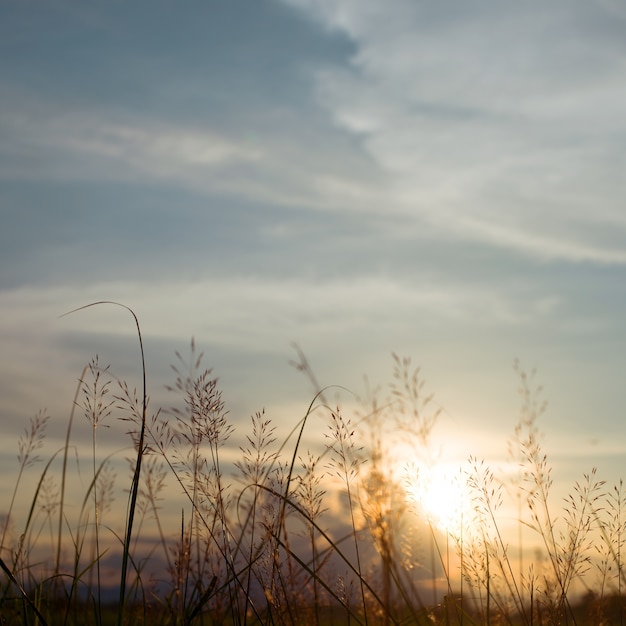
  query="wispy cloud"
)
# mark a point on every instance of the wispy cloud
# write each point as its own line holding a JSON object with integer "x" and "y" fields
{"x": 153, "y": 149}
{"x": 285, "y": 162}
{"x": 249, "y": 310}
{"x": 496, "y": 123}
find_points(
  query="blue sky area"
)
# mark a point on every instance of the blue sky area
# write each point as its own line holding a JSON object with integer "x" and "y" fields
{"x": 441, "y": 180}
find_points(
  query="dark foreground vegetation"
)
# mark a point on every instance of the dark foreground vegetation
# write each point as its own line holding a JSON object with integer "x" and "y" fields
{"x": 319, "y": 527}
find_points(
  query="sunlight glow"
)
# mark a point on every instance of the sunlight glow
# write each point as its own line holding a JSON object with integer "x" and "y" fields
{"x": 440, "y": 495}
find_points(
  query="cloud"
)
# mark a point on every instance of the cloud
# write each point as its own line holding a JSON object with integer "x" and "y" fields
{"x": 147, "y": 147}
{"x": 246, "y": 324}
{"x": 500, "y": 124}
{"x": 249, "y": 310}
{"x": 293, "y": 160}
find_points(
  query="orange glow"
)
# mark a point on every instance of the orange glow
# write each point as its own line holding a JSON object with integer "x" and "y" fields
{"x": 440, "y": 494}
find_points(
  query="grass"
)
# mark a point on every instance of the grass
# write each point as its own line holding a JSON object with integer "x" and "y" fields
{"x": 274, "y": 531}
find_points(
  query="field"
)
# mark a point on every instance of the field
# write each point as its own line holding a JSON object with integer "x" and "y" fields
{"x": 277, "y": 531}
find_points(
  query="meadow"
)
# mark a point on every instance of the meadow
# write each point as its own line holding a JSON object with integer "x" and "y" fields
{"x": 280, "y": 531}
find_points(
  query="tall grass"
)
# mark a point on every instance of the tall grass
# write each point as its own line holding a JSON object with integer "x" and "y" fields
{"x": 321, "y": 527}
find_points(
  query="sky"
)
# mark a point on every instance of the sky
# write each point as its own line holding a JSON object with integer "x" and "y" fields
{"x": 443, "y": 181}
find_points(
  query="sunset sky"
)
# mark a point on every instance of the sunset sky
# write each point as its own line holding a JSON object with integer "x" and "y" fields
{"x": 442, "y": 180}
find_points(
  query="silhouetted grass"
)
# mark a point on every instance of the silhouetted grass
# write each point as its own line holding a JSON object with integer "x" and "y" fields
{"x": 277, "y": 532}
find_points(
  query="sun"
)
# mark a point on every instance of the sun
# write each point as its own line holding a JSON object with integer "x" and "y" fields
{"x": 440, "y": 494}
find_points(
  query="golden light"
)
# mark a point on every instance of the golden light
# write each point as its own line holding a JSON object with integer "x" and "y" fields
{"x": 440, "y": 494}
